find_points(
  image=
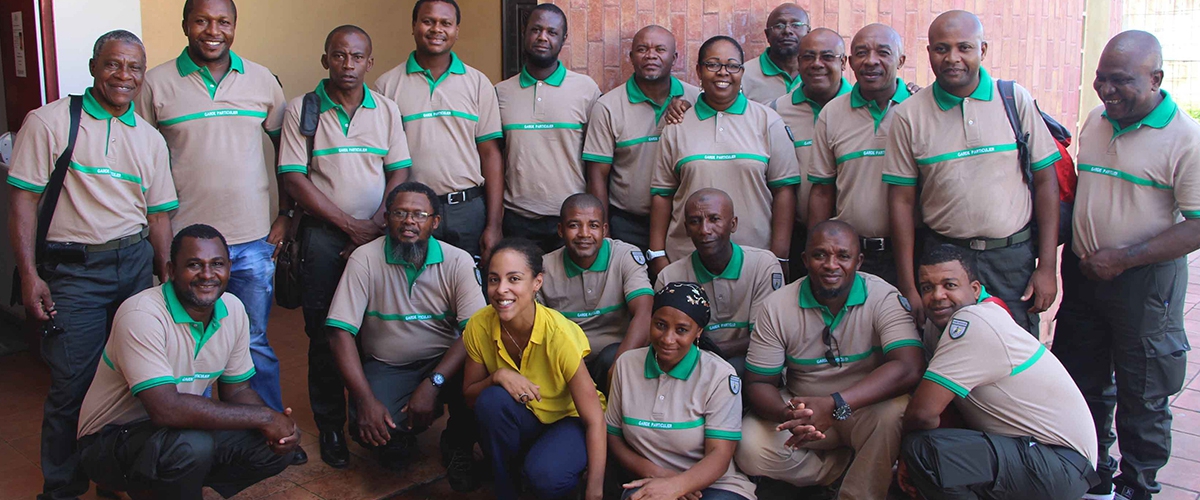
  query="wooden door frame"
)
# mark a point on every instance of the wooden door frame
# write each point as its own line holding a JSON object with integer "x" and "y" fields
{"x": 49, "y": 50}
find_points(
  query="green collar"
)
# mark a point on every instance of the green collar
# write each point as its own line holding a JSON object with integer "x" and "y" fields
{"x": 858, "y": 297}
{"x": 187, "y": 66}
{"x": 93, "y": 107}
{"x": 636, "y": 96}
{"x": 433, "y": 255}
{"x": 1160, "y": 117}
{"x": 704, "y": 111}
{"x": 858, "y": 101}
{"x": 682, "y": 371}
{"x": 343, "y": 117}
{"x": 180, "y": 316}
{"x": 983, "y": 295}
{"x": 983, "y": 92}
{"x": 599, "y": 266}
{"x": 799, "y": 96}
{"x": 770, "y": 69}
{"x": 733, "y": 270}
{"x": 456, "y": 67}
{"x": 555, "y": 78}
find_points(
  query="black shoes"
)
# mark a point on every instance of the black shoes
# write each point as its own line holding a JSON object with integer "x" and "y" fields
{"x": 300, "y": 457}
{"x": 460, "y": 472}
{"x": 333, "y": 449}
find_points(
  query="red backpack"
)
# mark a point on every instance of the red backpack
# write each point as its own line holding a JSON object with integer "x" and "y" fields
{"x": 1064, "y": 167}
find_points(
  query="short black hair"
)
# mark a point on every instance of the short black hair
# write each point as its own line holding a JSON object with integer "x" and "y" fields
{"x": 347, "y": 28}
{"x": 551, "y": 8}
{"x": 719, "y": 38}
{"x": 580, "y": 201}
{"x": 198, "y": 231}
{"x": 416, "y": 187}
{"x": 946, "y": 252}
{"x": 528, "y": 249}
{"x": 188, "y": 5}
{"x": 457, "y": 11}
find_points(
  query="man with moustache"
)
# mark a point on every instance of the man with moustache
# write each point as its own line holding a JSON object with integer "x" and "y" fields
{"x": 452, "y": 123}
{"x": 544, "y": 111}
{"x": 954, "y": 145}
{"x": 623, "y": 132}
{"x": 109, "y": 234}
{"x": 776, "y": 71}
{"x": 848, "y": 147}
{"x": 359, "y": 153}
{"x": 146, "y": 427}
{"x": 406, "y": 297}
{"x": 849, "y": 355}
{"x": 212, "y": 106}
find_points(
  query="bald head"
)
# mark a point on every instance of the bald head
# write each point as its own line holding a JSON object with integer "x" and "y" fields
{"x": 652, "y": 53}
{"x": 788, "y": 10}
{"x": 833, "y": 229}
{"x": 880, "y": 34}
{"x": 1129, "y": 76}
{"x": 822, "y": 61}
{"x": 959, "y": 22}
{"x": 823, "y": 39}
{"x": 786, "y": 26}
{"x": 710, "y": 195}
{"x": 1138, "y": 46}
{"x": 578, "y": 202}
{"x": 709, "y": 221}
{"x": 956, "y": 51}
{"x": 876, "y": 54}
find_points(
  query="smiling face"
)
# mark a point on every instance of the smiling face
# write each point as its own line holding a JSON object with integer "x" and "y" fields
{"x": 348, "y": 60}
{"x": 583, "y": 230}
{"x": 545, "y": 33}
{"x": 945, "y": 288}
{"x": 512, "y": 285}
{"x": 653, "y": 53}
{"x": 875, "y": 56}
{"x": 822, "y": 60}
{"x": 956, "y": 50}
{"x": 832, "y": 258}
{"x": 1127, "y": 82}
{"x": 672, "y": 334}
{"x": 210, "y": 28}
{"x": 117, "y": 74}
{"x": 436, "y": 30}
{"x": 720, "y": 85}
{"x": 200, "y": 271}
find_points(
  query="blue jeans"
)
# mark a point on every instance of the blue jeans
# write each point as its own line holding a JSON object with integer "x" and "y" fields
{"x": 251, "y": 279}
{"x": 555, "y": 454}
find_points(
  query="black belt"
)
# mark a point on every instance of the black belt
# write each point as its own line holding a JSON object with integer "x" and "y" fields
{"x": 461, "y": 196}
{"x": 874, "y": 244}
{"x": 990, "y": 243}
{"x": 119, "y": 243}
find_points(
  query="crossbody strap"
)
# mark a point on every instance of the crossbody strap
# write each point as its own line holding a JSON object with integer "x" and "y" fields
{"x": 57, "y": 179}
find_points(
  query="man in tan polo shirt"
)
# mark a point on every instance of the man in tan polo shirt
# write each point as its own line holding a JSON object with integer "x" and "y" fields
{"x": 955, "y": 146}
{"x": 1137, "y": 217}
{"x": 776, "y": 71}
{"x": 452, "y": 123}
{"x": 623, "y": 132}
{"x": 212, "y": 107}
{"x": 847, "y": 160}
{"x": 1026, "y": 432}
{"x": 737, "y": 279}
{"x": 146, "y": 427}
{"x": 600, "y": 283}
{"x": 846, "y": 375}
{"x": 116, "y": 192}
{"x": 359, "y": 153}
{"x": 406, "y": 296}
{"x": 544, "y": 111}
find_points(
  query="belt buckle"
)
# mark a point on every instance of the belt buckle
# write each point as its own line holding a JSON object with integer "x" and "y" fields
{"x": 978, "y": 245}
{"x": 873, "y": 244}
{"x": 450, "y": 198}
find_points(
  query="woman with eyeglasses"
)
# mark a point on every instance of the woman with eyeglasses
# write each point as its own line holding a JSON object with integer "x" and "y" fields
{"x": 541, "y": 419}
{"x": 729, "y": 142}
{"x": 674, "y": 415}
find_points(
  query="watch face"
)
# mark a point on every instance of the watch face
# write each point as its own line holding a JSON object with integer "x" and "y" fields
{"x": 438, "y": 379}
{"x": 841, "y": 412}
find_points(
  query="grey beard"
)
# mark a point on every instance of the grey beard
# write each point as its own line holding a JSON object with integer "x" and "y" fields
{"x": 412, "y": 253}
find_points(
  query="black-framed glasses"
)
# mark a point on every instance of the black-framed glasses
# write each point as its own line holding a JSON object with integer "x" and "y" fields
{"x": 714, "y": 67}
{"x": 833, "y": 354}
{"x": 795, "y": 26}
{"x": 401, "y": 215}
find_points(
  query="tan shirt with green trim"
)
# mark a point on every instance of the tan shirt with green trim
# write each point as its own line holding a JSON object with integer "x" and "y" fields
{"x": 667, "y": 416}
{"x": 962, "y": 155}
{"x": 544, "y": 122}
{"x": 763, "y": 81}
{"x": 1136, "y": 182}
{"x": 155, "y": 342}
{"x": 1008, "y": 383}
{"x": 736, "y": 294}
{"x": 597, "y": 298}
{"x": 403, "y": 313}
{"x": 119, "y": 173}
{"x": 800, "y": 115}
{"x": 444, "y": 120}
{"x": 789, "y": 328}
{"x": 351, "y": 158}
{"x": 848, "y": 151}
{"x": 214, "y": 131}
{"x": 623, "y": 131}
{"x": 744, "y": 151}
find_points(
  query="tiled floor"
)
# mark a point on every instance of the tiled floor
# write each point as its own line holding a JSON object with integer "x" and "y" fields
{"x": 24, "y": 380}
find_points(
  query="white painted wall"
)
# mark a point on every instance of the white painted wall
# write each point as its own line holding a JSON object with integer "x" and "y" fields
{"x": 77, "y": 25}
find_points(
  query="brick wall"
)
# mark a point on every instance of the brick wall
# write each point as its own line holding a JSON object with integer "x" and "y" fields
{"x": 1034, "y": 42}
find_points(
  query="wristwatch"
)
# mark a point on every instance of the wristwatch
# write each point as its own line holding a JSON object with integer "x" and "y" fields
{"x": 841, "y": 410}
{"x": 287, "y": 213}
{"x": 654, "y": 254}
{"x": 437, "y": 380}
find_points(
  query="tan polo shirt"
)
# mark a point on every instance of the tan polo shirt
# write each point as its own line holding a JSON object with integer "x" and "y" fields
{"x": 403, "y": 313}
{"x": 214, "y": 131}
{"x": 119, "y": 173}
{"x": 597, "y": 298}
{"x": 962, "y": 155}
{"x": 155, "y": 342}
{"x": 800, "y": 115}
{"x": 789, "y": 329}
{"x": 544, "y": 122}
{"x": 763, "y": 81}
{"x": 744, "y": 151}
{"x": 351, "y": 158}
{"x": 1008, "y": 383}
{"x": 1135, "y": 182}
{"x": 735, "y": 295}
{"x": 848, "y": 151}
{"x": 445, "y": 120}
{"x": 666, "y": 416}
{"x": 623, "y": 131}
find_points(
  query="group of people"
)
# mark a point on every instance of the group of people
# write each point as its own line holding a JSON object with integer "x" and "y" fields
{"x": 565, "y": 271}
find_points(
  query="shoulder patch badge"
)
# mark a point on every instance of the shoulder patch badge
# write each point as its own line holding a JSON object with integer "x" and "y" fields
{"x": 478, "y": 276}
{"x": 904, "y": 303}
{"x": 958, "y": 327}
{"x": 789, "y": 131}
{"x": 735, "y": 384}
{"x": 638, "y": 257}
{"x": 776, "y": 280}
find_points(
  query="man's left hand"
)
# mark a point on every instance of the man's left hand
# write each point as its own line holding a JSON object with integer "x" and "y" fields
{"x": 1042, "y": 288}
{"x": 289, "y": 443}
{"x": 279, "y": 230}
{"x": 421, "y": 408}
{"x": 1104, "y": 265}
{"x": 822, "y": 412}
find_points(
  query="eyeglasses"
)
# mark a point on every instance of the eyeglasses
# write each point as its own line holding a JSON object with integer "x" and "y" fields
{"x": 714, "y": 67}
{"x": 401, "y": 215}
{"x": 796, "y": 26}
{"x": 826, "y": 58}
{"x": 833, "y": 354}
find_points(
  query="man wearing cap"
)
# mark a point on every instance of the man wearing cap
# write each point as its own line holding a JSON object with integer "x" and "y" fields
{"x": 544, "y": 111}
{"x": 845, "y": 374}
{"x": 598, "y": 282}
{"x": 117, "y": 192}
{"x": 776, "y": 71}
{"x": 623, "y": 131}
{"x": 452, "y": 123}
{"x": 847, "y": 157}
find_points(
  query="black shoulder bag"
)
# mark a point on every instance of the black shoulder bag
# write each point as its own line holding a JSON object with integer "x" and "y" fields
{"x": 288, "y": 281}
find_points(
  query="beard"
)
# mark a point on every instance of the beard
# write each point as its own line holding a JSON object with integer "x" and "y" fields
{"x": 832, "y": 293}
{"x": 539, "y": 61}
{"x": 187, "y": 296}
{"x": 412, "y": 253}
{"x": 787, "y": 53}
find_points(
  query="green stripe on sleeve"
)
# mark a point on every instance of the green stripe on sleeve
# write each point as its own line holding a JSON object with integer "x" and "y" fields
{"x": 489, "y": 137}
{"x": 597, "y": 158}
{"x": 866, "y": 153}
{"x": 614, "y": 430}
{"x": 104, "y": 356}
{"x": 463, "y": 324}
{"x": 784, "y": 182}
{"x": 896, "y": 180}
{"x": 1190, "y": 214}
{"x": 764, "y": 371}
{"x": 165, "y": 207}
{"x": 215, "y": 113}
{"x": 1112, "y": 172}
{"x": 1046, "y": 162}
{"x": 154, "y": 382}
{"x": 662, "y": 192}
{"x": 638, "y": 293}
{"x": 439, "y": 113}
{"x": 20, "y": 184}
{"x": 725, "y": 435}
{"x": 639, "y": 140}
{"x": 821, "y": 180}
{"x": 275, "y": 133}
{"x": 1032, "y": 359}
{"x": 237, "y": 379}
{"x": 342, "y": 325}
{"x": 542, "y": 126}
{"x": 903, "y": 343}
{"x": 967, "y": 153}
{"x": 299, "y": 169}
{"x": 958, "y": 390}
{"x": 402, "y": 164}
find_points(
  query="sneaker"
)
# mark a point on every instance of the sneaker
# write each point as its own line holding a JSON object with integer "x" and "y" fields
{"x": 1124, "y": 491}
{"x": 460, "y": 471}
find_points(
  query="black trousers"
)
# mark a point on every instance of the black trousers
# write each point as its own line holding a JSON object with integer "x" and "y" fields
{"x": 1123, "y": 342}
{"x": 394, "y": 386}
{"x": 629, "y": 227}
{"x": 462, "y": 225}
{"x": 148, "y": 461}
{"x": 321, "y": 268}
{"x": 963, "y": 463}
{"x": 543, "y": 230}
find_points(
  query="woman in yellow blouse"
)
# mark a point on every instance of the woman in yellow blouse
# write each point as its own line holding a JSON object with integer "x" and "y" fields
{"x": 530, "y": 389}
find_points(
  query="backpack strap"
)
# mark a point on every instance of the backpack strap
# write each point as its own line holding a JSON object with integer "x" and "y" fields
{"x": 310, "y": 121}
{"x": 57, "y": 178}
{"x": 1008, "y": 95}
